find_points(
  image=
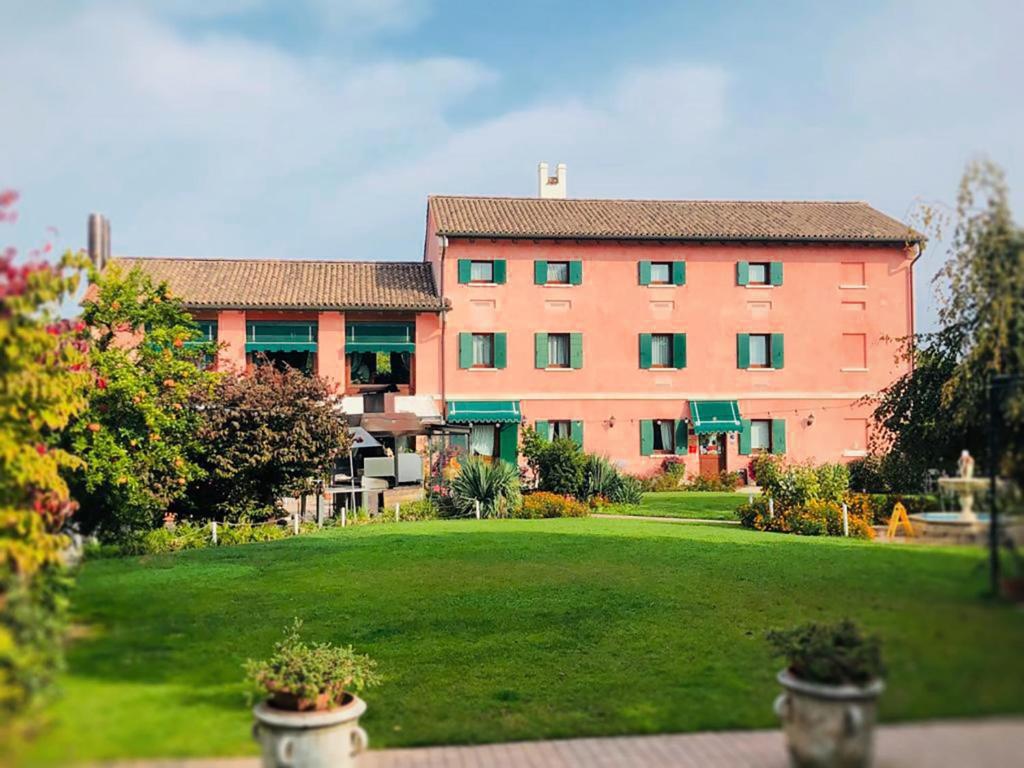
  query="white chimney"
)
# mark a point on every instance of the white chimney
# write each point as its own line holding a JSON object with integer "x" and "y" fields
{"x": 551, "y": 187}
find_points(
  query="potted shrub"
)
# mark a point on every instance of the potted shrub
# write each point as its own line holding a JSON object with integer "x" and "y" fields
{"x": 310, "y": 715}
{"x": 832, "y": 681}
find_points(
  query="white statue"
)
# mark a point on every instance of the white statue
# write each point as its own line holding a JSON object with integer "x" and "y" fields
{"x": 966, "y": 464}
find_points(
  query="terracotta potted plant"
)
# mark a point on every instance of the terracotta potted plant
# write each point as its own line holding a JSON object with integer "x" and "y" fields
{"x": 832, "y": 681}
{"x": 310, "y": 713}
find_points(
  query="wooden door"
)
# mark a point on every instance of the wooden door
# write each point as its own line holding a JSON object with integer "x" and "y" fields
{"x": 712, "y": 454}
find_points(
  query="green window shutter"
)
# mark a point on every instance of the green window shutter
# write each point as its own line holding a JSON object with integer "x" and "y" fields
{"x": 682, "y": 435}
{"x": 778, "y": 351}
{"x": 778, "y": 435}
{"x": 576, "y": 350}
{"x": 500, "y": 271}
{"x": 645, "y": 273}
{"x": 542, "y": 428}
{"x": 775, "y": 273}
{"x": 742, "y": 272}
{"x": 465, "y": 270}
{"x": 742, "y": 350}
{"x": 679, "y": 350}
{"x": 465, "y": 350}
{"x": 540, "y": 272}
{"x": 645, "y": 350}
{"x": 575, "y": 273}
{"x": 501, "y": 350}
{"x": 577, "y": 433}
{"x": 744, "y": 437}
{"x": 508, "y": 443}
{"x": 540, "y": 350}
{"x": 678, "y": 273}
{"x": 646, "y": 437}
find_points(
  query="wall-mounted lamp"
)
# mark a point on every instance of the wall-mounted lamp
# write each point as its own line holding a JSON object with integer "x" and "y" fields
{"x": 809, "y": 421}
{"x": 610, "y": 421}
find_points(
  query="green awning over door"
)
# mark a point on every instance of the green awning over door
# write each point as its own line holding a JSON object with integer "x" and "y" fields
{"x": 484, "y": 411}
{"x": 380, "y": 337}
{"x": 715, "y": 416}
{"x": 267, "y": 336}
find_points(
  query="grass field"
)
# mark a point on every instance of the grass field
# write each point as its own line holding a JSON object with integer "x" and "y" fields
{"x": 707, "y": 505}
{"x": 502, "y": 630}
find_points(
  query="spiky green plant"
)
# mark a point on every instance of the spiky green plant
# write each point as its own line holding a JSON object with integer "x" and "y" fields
{"x": 600, "y": 478}
{"x": 495, "y": 485}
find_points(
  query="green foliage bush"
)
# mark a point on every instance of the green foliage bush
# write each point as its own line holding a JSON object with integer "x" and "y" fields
{"x": 542, "y": 504}
{"x": 424, "y": 509}
{"x": 829, "y": 654}
{"x": 561, "y": 463}
{"x": 495, "y": 485}
{"x": 818, "y": 517}
{"x": 630, "y": 491}
{"x": 309, "y": 676}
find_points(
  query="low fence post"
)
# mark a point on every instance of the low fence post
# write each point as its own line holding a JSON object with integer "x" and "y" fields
{"x": 476, "y": 506}
{"x": 846, "y": 520}
{"x": 295, "y": 527}
{"x": 750, "y": 499}
{"x": 344, "y": 515}
{"x": 771, "y": 508}
{"x": 397, "y": 505}
{"x": 213, "y": 528}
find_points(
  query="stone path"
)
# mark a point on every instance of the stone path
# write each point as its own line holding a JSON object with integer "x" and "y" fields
{"x": 943, "y": 744}
{"x": 655, "y": 519}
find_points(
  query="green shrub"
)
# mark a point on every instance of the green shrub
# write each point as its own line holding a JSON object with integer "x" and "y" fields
{"x": 600, "y": 478}
{"x": 542, "y": 504}
{"x": 866, "y": 475}
{"x": 424, "y": 509}
{"x": 494, "y": 485}
{"x": 725, "y": 481}
{"x": 833, "y": 482}
{"x": 306, "y": 676}
{"x": 561, "y": 463}
{"x": 829, "y": 654}
{"x": 630, "y": 491}
{"x": 246, "y": 533}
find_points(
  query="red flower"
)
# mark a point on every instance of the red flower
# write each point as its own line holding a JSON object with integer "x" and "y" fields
{"x": 101, "y": 383}
{"x": 41, "y": 449}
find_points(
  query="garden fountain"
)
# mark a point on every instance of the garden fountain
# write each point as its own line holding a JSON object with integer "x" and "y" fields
{"x": 965, "y": 525}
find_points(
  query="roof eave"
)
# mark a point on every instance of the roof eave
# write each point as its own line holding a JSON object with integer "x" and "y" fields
{"x": 915, "y": 238}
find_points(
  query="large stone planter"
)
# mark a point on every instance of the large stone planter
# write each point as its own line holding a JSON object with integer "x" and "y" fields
{"x": 310, "y": 739}
{"x": 828, "y": 726}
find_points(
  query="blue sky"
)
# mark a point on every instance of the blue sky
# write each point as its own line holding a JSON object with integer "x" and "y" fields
{"x": 316, "y": 128}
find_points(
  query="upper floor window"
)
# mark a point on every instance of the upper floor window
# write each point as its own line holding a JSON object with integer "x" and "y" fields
{"x": 661, "y": 350}
{"x": 481, "y": 272}
{"x": 760, "y": 350}
{"x": 483, "y": 350}
{"x": 558, "y": 350}
{"x": 558, "y": 272}
{"x": 661, "y": 273}
{"x": 758, "y": 273}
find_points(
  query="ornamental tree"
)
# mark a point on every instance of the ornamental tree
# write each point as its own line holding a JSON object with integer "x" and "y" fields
{"x": 43, "y": 380}
{"x": 269, "y": 433}
{"x": 139, "y": 437}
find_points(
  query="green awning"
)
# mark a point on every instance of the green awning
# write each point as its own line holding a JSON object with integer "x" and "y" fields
{"x": 207, "y": 333}
{"x": 484, "y": 411}
{"x": 269, "y": 336}
{"x": 380, "y": 337}
{"x": 715, "y": 416}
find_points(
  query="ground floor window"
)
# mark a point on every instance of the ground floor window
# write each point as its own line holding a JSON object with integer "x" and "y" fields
{"x": 483, "y": 440}
{"x": 664, "y": 436}
{"x": 760, "y": 435}
{"x": 301, "y": 361}
{"x": 559, "y": 429}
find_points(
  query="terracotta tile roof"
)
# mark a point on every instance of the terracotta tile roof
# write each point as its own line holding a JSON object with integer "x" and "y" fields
{"x": 665, "y": 220}
{"x": 282, "y": 284}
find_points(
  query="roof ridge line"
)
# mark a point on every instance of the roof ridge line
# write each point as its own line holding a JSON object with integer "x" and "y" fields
{"x": 735, "y": 201}
{"x": 239, "y": 260}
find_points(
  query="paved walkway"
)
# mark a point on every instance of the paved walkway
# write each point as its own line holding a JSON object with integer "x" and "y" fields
{"x": 656, "y": 519}
{"x": 944, "y": 744}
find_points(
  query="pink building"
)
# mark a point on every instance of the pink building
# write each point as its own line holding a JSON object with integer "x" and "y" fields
{"x": 709, "y": 331}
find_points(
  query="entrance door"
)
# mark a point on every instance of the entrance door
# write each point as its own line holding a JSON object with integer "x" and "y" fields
{"x": 712, "y": 454}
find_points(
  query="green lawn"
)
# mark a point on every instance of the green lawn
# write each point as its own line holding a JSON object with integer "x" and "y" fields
{"x": 707, "y": 505}
{"x": 502, "y": 630}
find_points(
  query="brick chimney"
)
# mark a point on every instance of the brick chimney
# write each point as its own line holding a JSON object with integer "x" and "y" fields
{"x": 99, "y": 240}
{"x": 551, "y": 187}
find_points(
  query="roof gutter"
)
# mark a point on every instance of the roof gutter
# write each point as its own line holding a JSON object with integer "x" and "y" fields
{"x": 686, "y": 239}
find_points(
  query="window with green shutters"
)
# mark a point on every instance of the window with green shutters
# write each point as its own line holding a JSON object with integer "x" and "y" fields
{"x": 482, "y": 271}
{"x": 662, "y": 350}
{"x": 662, "y": 272}
{"x": 762, "y": 436}
{"x": 560, "y": 428}
{"x": 558, "y": 272}
{"x": 760, "y": 350}
{"x": 483, "y": 350}
{"x": 663, "y": 436}
{"x": 758, "y": 273}
{"x": 558, "y": 350}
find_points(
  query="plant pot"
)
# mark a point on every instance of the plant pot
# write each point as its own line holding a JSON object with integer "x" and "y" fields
{"x": 331, "y": 738}
{"x": 828, "y": 726}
